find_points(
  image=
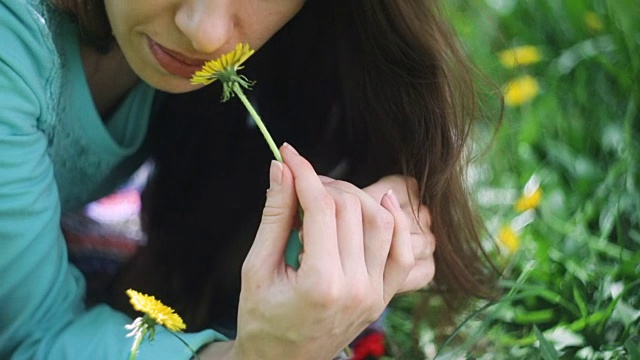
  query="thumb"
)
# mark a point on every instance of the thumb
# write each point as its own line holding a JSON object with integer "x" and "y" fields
{"x": 278, "y": 218}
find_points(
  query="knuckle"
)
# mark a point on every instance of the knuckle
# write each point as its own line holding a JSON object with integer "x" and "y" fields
{"x": 383, "y": 220}
{"x": 412, "y": 184}
{"x": 248, "y": 270}
{"x": 271, "y": 214}
{"x": 347, "y": 202}
{"x": 424, "y": 216}
{"x": 325, "y": 203}
{"x": 405, "y": 259}
{"x": 422, "y": 247}
{"x": 344, "y": 185}
{"x": 323, "y": 291}
{"x": 430, "y": 272}
{"x": 358, "y": 294}
{"x": 424, "y": 275}
{"x": 431, "y": 243}
{"x": 325, "y": 295}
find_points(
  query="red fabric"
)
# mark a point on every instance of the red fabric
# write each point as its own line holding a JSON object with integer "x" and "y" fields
{"x": 371, "y": 345}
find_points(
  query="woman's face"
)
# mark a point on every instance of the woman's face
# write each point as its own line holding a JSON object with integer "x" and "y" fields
{"x": 166, "y": 41}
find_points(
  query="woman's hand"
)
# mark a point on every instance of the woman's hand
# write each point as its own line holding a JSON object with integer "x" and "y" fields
{"x": 423, "y": 241}
{"x": 357, "y": 256}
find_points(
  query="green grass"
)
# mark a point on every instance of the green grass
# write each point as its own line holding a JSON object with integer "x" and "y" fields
{"x": 572, "y": 289}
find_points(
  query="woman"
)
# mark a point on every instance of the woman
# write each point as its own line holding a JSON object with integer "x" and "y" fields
{"x": 45, "y": 97}
{"x": 346, "y": 127}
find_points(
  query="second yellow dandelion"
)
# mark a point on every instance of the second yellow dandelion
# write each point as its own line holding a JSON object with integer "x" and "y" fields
{"x": 509, "y": 238}
{"x": 156, "y": 310}
{"x": 520, "y": 90}
{"x": 520, "y": 56}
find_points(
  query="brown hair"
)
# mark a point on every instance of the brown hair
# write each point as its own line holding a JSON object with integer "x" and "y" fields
{"x": 413, "y": 79}
{"x": 95, "y": 29}
{"x": 398, "y": 97}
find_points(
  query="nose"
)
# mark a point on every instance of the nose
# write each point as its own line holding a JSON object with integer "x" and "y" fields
{"x": 208, "y": 24}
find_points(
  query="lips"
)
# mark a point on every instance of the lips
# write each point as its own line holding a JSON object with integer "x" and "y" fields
{"x": 173, "y": 62}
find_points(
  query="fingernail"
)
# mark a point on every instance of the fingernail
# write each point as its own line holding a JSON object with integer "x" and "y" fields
{"x": 394, "y": 199}
{"x": 291, "y": 148}
{"x": 275, "y": 173}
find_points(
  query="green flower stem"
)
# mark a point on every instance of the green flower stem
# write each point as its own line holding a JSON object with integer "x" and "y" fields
{"x": 136, "y": 343}
{"x": 195, "y": 354}
{"x": 348, "y": 352}
{"x": 276, "y": 153}
{"x": 237, "y": 89}
{"x": 272, "y": 145}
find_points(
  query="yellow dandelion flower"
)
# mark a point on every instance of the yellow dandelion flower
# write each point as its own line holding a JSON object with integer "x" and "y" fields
{"x": 509, "y": 238}
{"x": 156, "y": 310}
{"x": 520, "y": 56}
{"x": 225, "y": 69}
{"x": 593, "y": 22}
{"x": 531, "y": 195}
{"x": 520, "y": 90}
{"x": 529, "y": 201}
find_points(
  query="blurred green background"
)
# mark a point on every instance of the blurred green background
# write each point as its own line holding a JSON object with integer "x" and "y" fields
{"x": 558, "y": 187}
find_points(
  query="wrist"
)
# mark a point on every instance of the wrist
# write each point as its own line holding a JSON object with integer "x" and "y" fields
{"x": 250, "y": 350}
{"x": 219, "y": 350}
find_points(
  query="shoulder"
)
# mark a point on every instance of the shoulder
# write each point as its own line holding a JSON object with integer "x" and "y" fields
{"x": 25, "y": 20}
{"x": 26, "y": 34}
{"x": 28, "y": 55}
{"x": 25, "y": 31}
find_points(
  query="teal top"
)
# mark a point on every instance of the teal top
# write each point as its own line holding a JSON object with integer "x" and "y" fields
{"x": 57, "y": 154}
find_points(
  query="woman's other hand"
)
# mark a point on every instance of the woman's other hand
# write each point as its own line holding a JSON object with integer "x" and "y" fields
{"x": 357, "y": 256}
{"x": 423, "y": 241}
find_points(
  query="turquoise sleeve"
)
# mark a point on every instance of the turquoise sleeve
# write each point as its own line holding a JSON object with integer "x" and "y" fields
{"x": 42, "y": 315}
{"x": 293, "y": 249}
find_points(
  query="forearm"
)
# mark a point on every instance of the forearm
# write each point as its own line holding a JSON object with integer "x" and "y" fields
{"x": 232, "y": 350}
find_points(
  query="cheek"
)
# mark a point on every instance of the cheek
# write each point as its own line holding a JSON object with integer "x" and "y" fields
{"x": 121, "y": 18}
{"x": 260, "y": 24}
{"x": 126, "y": 15}
{"x": 116, "y": 12}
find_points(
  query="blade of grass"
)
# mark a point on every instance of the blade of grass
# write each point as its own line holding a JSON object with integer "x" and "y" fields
{"x": 547, "y": 350}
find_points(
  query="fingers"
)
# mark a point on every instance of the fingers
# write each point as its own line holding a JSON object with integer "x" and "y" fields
{"x": 358, "y": 252}
{"x": 377, "y": 224}
{"x": 350, "y": 232}
{"x": 319, "y": 224}
{"x": 401, "y": 256}
{"x": 423, "y": 246}
{"x": 389, "y": 249}
{"x": 408, "y": 194}
{"x": 277, "y": 220}
{"x": 420, "y": 276}
{"x": 419, "y": 218}
{"x": 347, "y": 232}
{"x": 423, "y": 241}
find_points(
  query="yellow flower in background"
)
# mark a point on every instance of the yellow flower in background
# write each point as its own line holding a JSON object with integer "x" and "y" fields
{"x": 520, "y": 56}
{"x": 531, "y": 195}
{"x": 529, "y": 201}
{"x": 509, "y": 238}
{"x": 156, "y": 310}
{"x": 593, "y": 21}
{"x": 520, "y": 90}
